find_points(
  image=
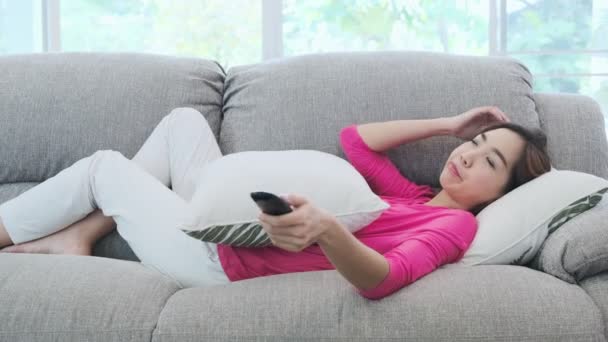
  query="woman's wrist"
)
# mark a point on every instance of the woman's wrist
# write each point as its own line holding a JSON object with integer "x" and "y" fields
{"x": 447, "y": 124}
{"x": 361, "y": 265}
{"x": 332, "y": 230}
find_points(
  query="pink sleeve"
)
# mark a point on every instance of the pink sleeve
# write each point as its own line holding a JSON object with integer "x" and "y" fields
{"x": 376, "y": 167}
{"x": 423, "y": 253}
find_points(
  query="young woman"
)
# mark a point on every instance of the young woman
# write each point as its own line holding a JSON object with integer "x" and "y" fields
{"x": 420, "y": 231}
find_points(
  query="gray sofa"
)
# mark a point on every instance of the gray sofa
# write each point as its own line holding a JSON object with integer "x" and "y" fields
{"x": 59, "y": 107}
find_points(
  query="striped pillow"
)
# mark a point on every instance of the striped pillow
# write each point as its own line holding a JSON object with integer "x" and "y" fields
{"x": 512, "y": 229}
{"x": 228, "y": 215}
{"x": 575, "y": 208}
{"x": 577, "y": 249}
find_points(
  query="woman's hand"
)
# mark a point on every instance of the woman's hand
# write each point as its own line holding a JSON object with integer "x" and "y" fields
{"x": 468, "y": 124}
{"x": 298, "y": 229}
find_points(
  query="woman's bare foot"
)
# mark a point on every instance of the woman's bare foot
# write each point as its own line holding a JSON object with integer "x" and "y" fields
{"x": 66, "y": 241}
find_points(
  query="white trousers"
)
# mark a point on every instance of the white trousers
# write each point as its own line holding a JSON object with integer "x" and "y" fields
{"x": 136, "y": 194}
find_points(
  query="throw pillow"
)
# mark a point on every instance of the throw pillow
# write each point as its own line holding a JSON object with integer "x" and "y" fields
{"x": 512, "y": 229}
{"x": 228, "y": 215}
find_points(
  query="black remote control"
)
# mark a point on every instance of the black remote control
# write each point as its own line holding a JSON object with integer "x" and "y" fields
{"x": 271, "y": 204}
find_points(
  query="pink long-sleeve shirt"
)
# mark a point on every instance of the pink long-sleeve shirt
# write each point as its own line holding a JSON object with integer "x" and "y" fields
{"x": 414, "y": 238}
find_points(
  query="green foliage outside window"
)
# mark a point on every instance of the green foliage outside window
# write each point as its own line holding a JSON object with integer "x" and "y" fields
{"x": 230, "y": 32}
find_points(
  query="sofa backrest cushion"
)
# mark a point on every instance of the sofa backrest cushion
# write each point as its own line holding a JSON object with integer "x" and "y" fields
{"x": 57, "y": 108}
{"x": 302, "y": 102}
{"x": 576, "y": 132}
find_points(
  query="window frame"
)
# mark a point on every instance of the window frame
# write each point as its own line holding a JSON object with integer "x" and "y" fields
{"x": 272, "y": 34}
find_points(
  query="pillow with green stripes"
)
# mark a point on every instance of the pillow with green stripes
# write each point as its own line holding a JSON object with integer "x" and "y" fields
{"x": 512, "y": 229}
{"x": 227, "y": 214}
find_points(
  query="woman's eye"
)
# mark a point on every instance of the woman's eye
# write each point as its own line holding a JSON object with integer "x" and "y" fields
{"x": 488, "y": 159}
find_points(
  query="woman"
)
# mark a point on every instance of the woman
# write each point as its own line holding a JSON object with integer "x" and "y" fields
{"x": 419, "y": 232}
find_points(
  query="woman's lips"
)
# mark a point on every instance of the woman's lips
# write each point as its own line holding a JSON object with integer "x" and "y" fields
{"x": 453, "y": 169}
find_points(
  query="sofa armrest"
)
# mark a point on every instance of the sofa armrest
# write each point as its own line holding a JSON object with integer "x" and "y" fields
{"x": 579, "y": 248}
{"x": 572, "y": 121}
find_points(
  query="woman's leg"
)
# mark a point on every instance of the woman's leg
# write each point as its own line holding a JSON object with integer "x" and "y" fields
{"x": 146, "y": 212}
{"x": 148, "y": 215}
{"x": 77, "y": 239}
{"x": 178, "y": 149}
{"x": 174, "y": 153}
{"x": 49, "y": 206}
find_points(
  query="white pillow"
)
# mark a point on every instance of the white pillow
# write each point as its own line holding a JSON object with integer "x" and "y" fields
{"x": 512, "y": 229}
{"x": 228, "y": 215}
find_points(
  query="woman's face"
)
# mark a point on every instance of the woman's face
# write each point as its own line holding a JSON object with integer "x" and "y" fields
{"x": 482, "y": 169}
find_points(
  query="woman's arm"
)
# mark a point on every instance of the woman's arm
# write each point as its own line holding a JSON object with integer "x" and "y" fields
{"x": 378, "y": 275}
{"x": 382, "y": 136}
{"x": 307, "y": 224}
{"x": 359, "y": 264}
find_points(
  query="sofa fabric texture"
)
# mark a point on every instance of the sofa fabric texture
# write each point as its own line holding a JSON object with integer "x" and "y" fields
{"x": 314, "y": 96}
{"x": 60, "y": 107}
{"x": 67, "y": 298}
{"x": 73, "y": 104}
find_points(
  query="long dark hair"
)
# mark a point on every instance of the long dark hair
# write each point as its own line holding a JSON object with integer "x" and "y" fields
{"x": 533, "y": 162}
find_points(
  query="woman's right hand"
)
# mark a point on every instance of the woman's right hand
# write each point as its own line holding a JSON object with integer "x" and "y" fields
{"x": 468, "y": 124}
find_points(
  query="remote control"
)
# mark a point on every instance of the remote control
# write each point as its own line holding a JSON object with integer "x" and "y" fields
{"x": 271, "y": 204}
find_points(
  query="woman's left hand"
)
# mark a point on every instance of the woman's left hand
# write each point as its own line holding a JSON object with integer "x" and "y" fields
{"x": 296, "y": 230}
{"x": 468, "y": 124}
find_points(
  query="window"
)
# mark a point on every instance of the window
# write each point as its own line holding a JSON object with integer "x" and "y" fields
{"x": 20, "y": 26}
{"x": 459, "y": 27}
{"x": 562, "y": 42}
{"x": 226, "y": 31}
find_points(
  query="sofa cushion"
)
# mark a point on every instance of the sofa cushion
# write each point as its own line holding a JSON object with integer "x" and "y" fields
{"x": 576, "y": 133}
{"x": 83, "y": 102}
{"x": 229, "y": 216}
{"x": 79, "y": 298}
{"x": 302, "y": 102}
{"x": 458, "y": 303}
{"x": 597, "y": 287}
{"x": 578, "y": 249}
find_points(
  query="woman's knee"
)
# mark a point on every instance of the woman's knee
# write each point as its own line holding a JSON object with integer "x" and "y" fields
{"x": 185, "y": 118}
{"x": 106, "y": 157}
{"x": 107, "y": 154}
{"x": 186, "y": 114}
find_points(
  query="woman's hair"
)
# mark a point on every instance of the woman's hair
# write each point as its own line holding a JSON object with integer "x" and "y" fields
{"x": 533, "y": 162}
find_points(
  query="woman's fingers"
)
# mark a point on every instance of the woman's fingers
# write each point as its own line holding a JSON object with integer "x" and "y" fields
{"x": 499, "y": 114}
{"x": 503, "y": 115}
{"x": 285, "y": 243}
{"x": 494, "y": 111}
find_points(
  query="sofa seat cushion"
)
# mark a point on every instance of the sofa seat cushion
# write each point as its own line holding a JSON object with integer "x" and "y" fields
{"x": 79, "y": 298}
{"x": 454, "y": 303}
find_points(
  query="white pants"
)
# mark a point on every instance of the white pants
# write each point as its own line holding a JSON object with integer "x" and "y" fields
{"x": 136, "y": 194}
